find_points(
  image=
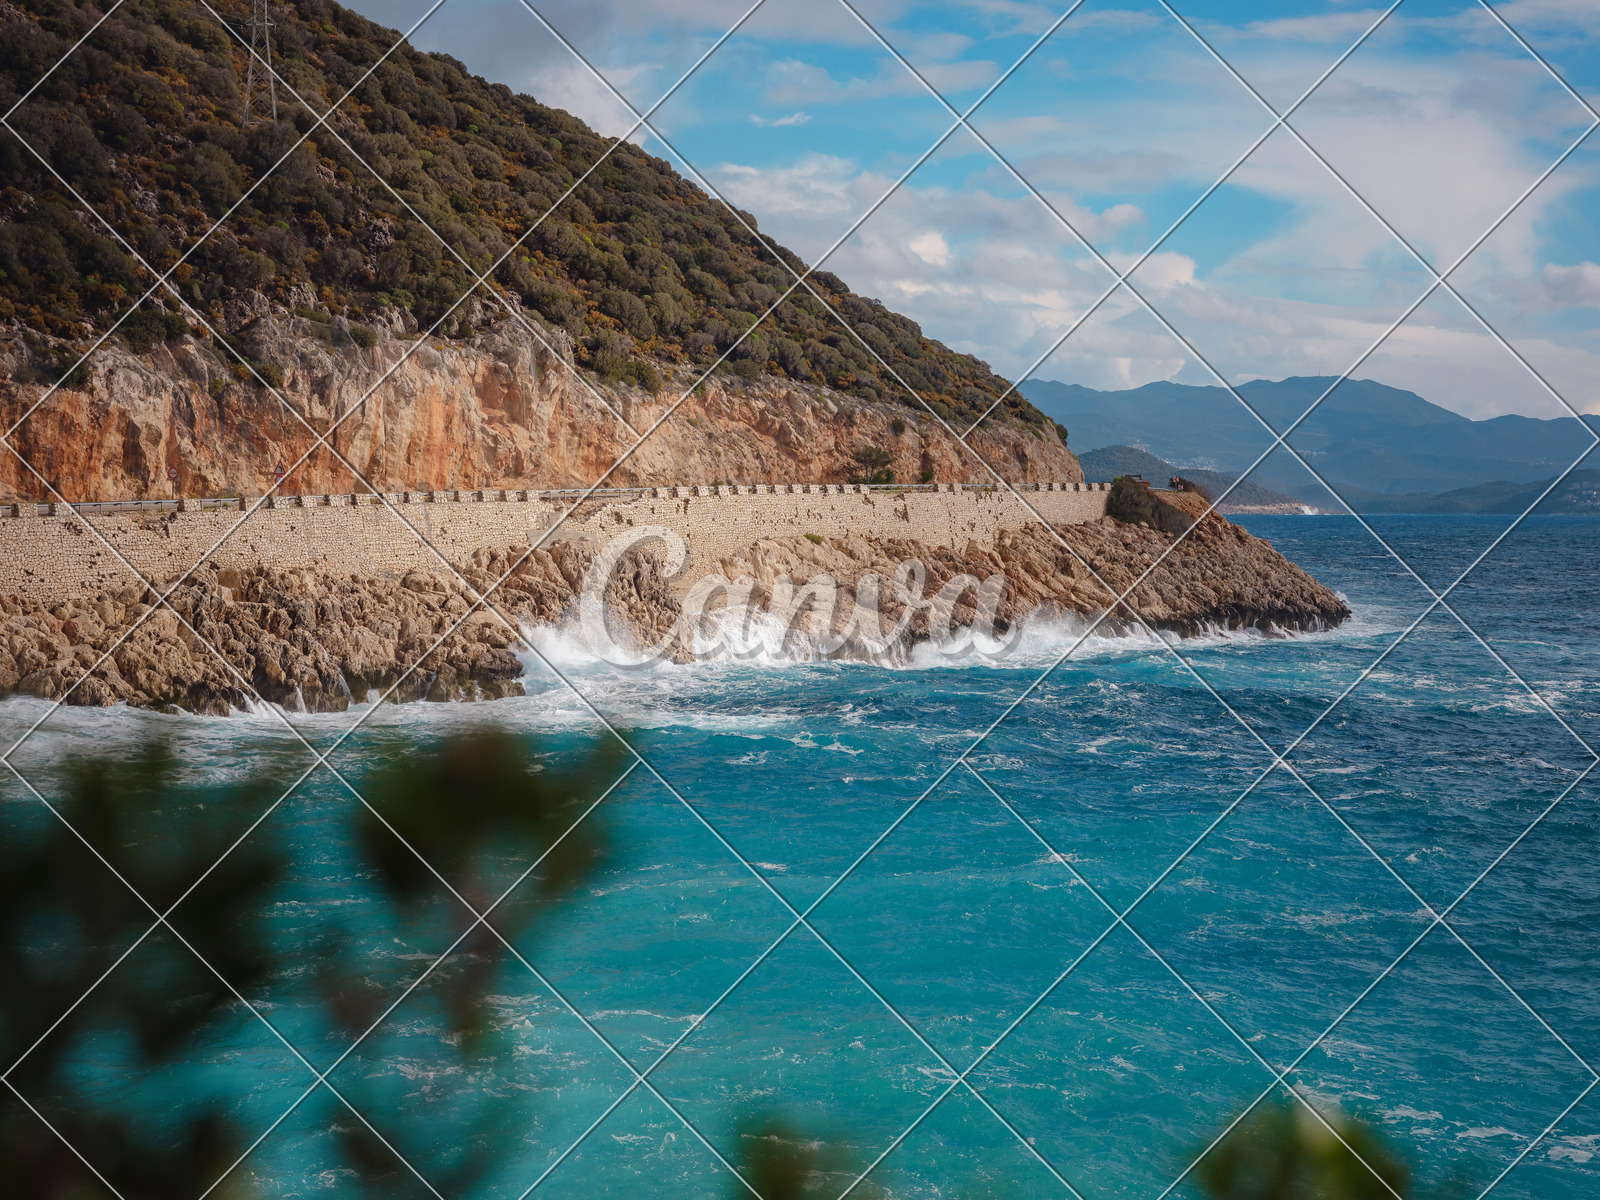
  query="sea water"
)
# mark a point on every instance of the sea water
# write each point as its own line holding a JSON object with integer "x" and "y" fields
{"x": 987, "y": 926}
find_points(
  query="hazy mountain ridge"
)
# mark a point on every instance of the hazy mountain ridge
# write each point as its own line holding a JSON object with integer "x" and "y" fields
{"x": 1367, "y": 438}
{"x": 1577, "y": 495}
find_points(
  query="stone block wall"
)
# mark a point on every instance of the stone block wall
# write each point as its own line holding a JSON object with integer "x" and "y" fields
{"x": 50, "y": 554}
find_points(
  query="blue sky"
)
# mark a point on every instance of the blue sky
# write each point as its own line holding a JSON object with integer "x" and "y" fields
{"x": 1119, "y": 121}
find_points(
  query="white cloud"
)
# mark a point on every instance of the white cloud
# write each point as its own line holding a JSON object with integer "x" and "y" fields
{"x": 1567, "y": 16}
{"x": 1340, "y": 28}
{"x": 1439, "y": 142}
{"x": 1578, "y": 286}
{"x": 819, "y": 185}
{"x": 791, "y": 81}
{"x": 931, "y": 248}
{"x": 798, "y": 118}
{"x": 586, "y": 98}
{"x": 1163, "y": 271}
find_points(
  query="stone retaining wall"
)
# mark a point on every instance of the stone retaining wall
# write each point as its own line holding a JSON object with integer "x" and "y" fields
{"x": 48, "y": 553}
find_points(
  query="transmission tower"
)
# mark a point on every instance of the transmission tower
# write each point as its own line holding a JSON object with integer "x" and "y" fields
{"x": 260, "y": 90}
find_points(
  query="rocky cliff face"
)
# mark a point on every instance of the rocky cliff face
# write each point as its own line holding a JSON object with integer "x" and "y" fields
{"x": 310, "y": 640}
{"x": 502, "y": 408}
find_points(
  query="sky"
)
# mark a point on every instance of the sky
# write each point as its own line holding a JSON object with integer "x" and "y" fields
{"x": 1125, "y": 139}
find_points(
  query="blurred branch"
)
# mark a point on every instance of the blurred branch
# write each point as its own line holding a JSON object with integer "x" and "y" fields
{"x": 480, "y": 807}
{"x": 1281, "y": 1152}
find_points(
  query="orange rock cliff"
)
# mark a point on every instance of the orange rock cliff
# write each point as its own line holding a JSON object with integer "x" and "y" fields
{"x": 504, "y": 407}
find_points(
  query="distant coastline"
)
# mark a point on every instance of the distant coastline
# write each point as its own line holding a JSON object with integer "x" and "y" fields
{"x": 1576, "y": 495}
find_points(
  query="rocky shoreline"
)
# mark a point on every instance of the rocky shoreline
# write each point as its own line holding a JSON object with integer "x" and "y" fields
{"x": 310, "y": 640}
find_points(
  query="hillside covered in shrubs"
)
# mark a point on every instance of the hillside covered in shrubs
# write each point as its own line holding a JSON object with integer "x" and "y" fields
{"x": 638, "y": 265}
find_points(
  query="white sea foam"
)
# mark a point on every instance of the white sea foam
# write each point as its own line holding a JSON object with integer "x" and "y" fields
{"x": 737, "y": 637}
{"x": 750, "y": 653}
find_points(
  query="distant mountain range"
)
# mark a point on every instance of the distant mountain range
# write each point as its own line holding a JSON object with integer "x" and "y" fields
{"x": 1381, "y": 446}
{"x": 1579, "y": 493}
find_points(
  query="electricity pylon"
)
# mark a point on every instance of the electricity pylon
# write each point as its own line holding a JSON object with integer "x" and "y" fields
{"x": 260, "y": 89}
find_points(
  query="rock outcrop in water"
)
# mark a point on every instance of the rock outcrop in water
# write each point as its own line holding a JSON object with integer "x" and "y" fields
{"x": 312, "y": 641}
{"x": 1219, "y": 577}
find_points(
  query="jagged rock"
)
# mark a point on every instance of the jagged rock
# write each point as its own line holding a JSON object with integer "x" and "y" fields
{"x": 310, "y": 640}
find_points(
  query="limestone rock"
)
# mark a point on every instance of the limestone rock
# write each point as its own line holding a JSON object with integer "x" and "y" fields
{"x": 312, "y": 640}
{"x": 501, "y": 409}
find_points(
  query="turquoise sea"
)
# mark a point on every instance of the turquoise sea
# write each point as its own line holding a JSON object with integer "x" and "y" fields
{"x": 980, "y": 927}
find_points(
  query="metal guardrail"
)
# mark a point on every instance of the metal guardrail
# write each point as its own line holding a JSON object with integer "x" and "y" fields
{"x": 510, "y": 495}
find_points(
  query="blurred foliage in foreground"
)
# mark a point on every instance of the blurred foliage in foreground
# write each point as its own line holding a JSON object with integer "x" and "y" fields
{"x": 1282, "y": 1152}
{"x": 95, "y": 999}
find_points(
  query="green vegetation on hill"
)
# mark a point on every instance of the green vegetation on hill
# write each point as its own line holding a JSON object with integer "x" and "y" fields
{"x": 1132, "y": 501}
{"x": 143, "y": 121}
